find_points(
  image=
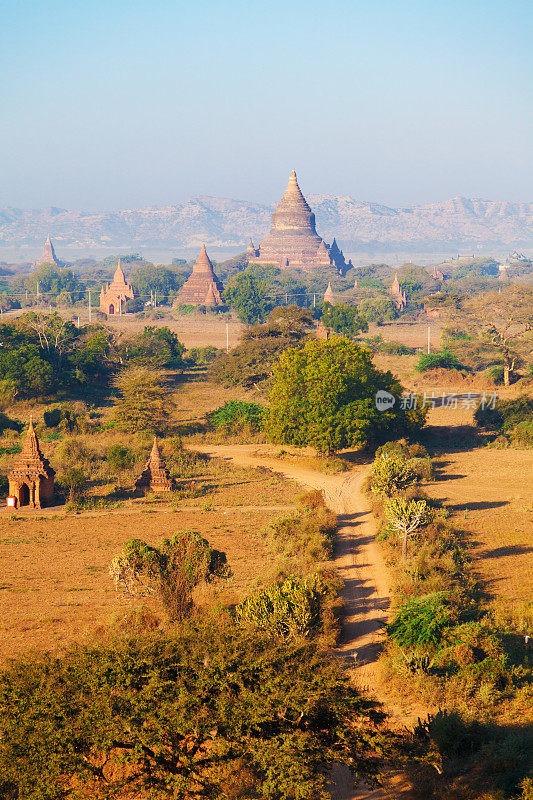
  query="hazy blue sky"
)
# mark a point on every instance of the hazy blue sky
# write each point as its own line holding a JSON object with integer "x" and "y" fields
{"x": 128, "y": 103}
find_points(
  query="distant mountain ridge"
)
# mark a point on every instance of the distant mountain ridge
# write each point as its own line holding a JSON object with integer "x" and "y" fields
{"x": 221, "y": 222}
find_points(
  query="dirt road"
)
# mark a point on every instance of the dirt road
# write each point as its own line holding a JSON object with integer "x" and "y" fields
{"x": 358, "y": 562}
{"x": 357, "y": 559}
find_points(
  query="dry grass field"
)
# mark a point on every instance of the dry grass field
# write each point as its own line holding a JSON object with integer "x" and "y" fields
{"x": 193, "y": 330}
{"x": 55, "y": 587}
{"x": 490, "y": 494}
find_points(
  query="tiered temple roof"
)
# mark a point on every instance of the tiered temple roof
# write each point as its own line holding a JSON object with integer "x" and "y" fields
{"x": 31, "y": 480}
{"x": 328, "y": 295}
{"x": 293, "y": 240}
{"x": 397, "y": 294}
{"x": 48, "y": 256}
{"x": 30, "y": 461}
{"x": 202, "y": 288}
{"x": 155, "y": 475}
{"x": 116, "y": 294}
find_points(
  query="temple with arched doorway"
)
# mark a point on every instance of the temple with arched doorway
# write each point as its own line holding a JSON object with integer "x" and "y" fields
{"x": 116, "y": 294}
{"x": 31, "y": 481}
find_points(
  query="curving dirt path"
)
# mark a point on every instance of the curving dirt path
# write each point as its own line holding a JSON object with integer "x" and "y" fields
{"x": 359, "y": 563}
{"x": 357, "y": 559}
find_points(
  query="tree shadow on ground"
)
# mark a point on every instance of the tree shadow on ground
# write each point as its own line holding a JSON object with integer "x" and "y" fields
{"x": 507, "y": 550}
{"x": 478, "y": 505}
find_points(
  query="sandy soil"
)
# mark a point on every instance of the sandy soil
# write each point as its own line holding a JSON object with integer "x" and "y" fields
{"x": 54, "y": 581}
{"x": 490, "y": 494}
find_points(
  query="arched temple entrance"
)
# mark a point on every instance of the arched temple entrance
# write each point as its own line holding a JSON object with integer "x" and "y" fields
{"x": 24, "y": 495}
{"x": 111, "y": 309}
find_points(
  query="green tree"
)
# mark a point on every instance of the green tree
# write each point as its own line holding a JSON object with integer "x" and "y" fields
{"x": 174, "y": 569}
{"x": 120, "y": 459}
{"x": 26, "y": 371}
{"x": 324, "y": 395}
{"x": 56, "y": 335}
{"x": 378, "y": 309}
{"x": 183, "y": 717}
{"x": 406, "y": 517}
{"x": 154, "y": 347}
{"x": 247, "y": 294}
{"x": 148, "y": 279}
{"x": 143, "y": 403}
{"x": 343, "y": 319}
{"x": 95, "y": 355}
{"x": 52, "y": 281}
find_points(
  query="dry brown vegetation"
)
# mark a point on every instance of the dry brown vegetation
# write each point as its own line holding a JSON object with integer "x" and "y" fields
{"x": 55, "y": 584}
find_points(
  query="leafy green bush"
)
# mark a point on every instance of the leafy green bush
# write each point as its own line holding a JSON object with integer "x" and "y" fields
{"x": 119, "y": 457}
{"x": 178, "y": 717}
{"x": 391, "y": 474}
{"x": 295, "y": 607}
{"x": 442, "y": 360}
{"x": 236, "y": 416}
{"x": 418, "y": 627}
{"x": 203, "y": 355}
{"x": 173, "y": 569}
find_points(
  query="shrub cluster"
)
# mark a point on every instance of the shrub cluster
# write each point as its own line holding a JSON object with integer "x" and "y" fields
{"x": 512, "y": 420}
{"x": 293, "y": 607}
{"x": 210, "y": 710}
{"x": 437, "y": 623}
{"x": 436, "y": 360}
{"x": 304, "y": 597}
{"x": 237, "y": 417}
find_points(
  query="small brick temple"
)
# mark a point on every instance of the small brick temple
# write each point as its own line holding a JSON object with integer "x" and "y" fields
{"x": 31, "y": 481}
{"x": 154, "y": 477}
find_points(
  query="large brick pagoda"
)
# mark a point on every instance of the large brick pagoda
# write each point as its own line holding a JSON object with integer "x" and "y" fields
{"x": 202, "y": 288}
{"x": 48, "y": 256}
{"x": 293, "y": 240}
